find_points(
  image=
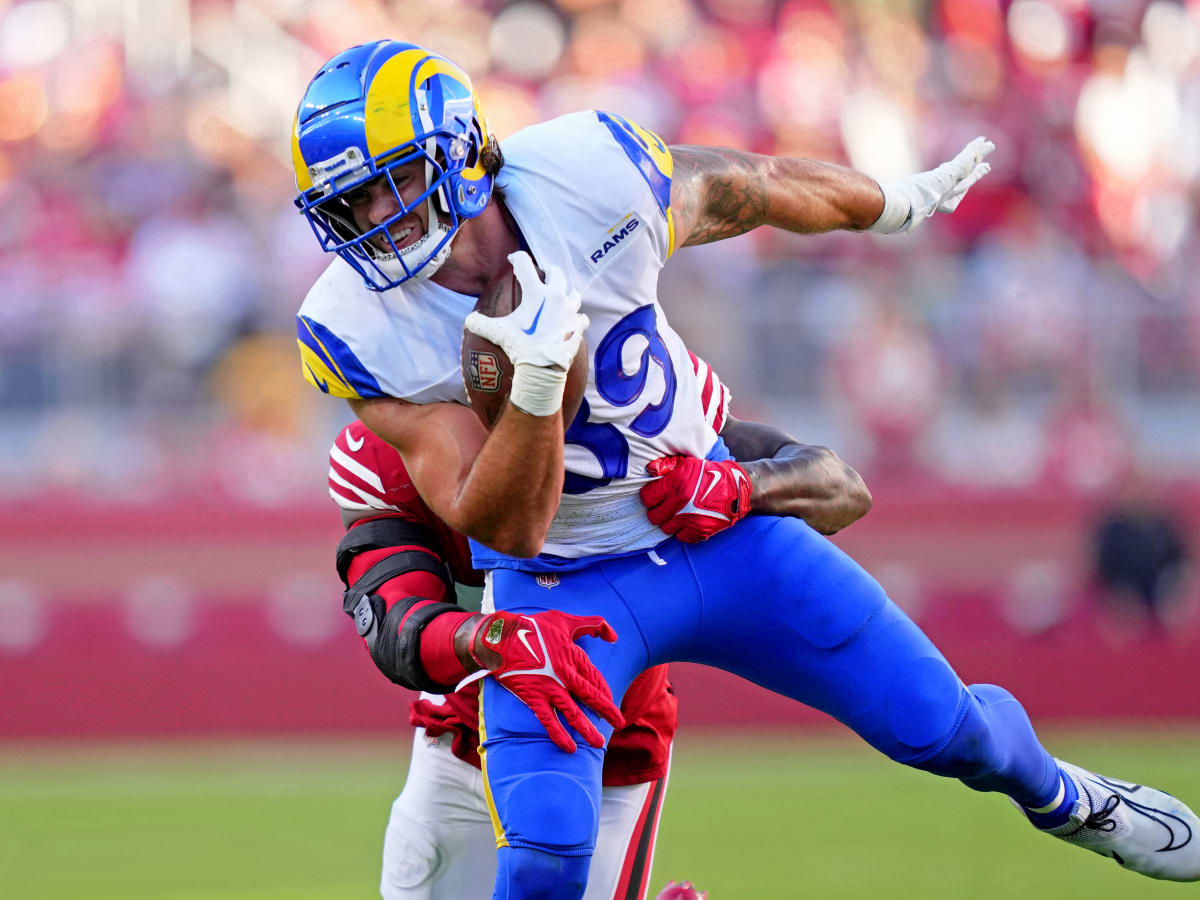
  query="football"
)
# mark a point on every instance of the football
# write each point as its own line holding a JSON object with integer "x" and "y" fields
{"x": 486, "y": 369}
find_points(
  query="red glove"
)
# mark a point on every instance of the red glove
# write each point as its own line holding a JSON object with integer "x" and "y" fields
{"x": 548, "y": 672}
{"x": 695, "y": 498}
{"x": 459, "y": 720}
{"x": 683, "y": 891}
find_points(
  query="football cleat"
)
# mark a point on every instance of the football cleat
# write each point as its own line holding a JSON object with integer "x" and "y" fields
{"x": 683, "y": 891}
{"x": 1143, "y": 829}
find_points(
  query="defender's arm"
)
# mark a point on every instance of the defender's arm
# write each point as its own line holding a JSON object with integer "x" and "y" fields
{"x": 399, "y": 595}
{"x": 441, "y": 651}
{"x": 694, "y": 498}
{"x": 798, "y": 480}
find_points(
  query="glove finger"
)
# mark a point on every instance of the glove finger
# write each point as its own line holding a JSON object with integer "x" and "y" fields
{"x": 486, "y": 327}
{"x": 526, "y": 272}
{"x": 546, "y": 715}
{"x": 967, "y": 183}
{"x": 568, "y": 707}
{"x": 660, "y": 515}
{"x": 662, "y": 465}
{"x": 563, "y": 354}
{"x": 556, "y": 281}
{"x": 972, "y": 147}
{"x": 654, "y": 492}
{"x": 984, "y": 149}
{"x": 672, "y": 525}
{"x": 950, "y": 204}
{"x": 660, "y": 512}
{"x": 591, "y": 626}
{"x": 966, "y": 160}
{"x": 581, "y": 320}
{"x": 577, "y": 720}
{"x": 593, "y": 692}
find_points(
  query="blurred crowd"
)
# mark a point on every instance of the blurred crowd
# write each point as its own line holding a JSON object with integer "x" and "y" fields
{"x": 1047, "y": 333}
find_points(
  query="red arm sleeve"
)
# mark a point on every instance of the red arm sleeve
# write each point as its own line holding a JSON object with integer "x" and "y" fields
{"x": 438, "y": 658}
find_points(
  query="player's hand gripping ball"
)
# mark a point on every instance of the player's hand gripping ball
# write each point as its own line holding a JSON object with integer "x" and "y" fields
{"x": 694, "y": 499}
{"x": 487, "y": 369}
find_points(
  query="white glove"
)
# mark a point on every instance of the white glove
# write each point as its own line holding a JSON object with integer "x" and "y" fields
{"x": 540, "y": 337}
{"x": 911, "y": 200}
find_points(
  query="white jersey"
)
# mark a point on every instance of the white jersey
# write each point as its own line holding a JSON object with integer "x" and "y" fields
{"x": 590, "y": 193}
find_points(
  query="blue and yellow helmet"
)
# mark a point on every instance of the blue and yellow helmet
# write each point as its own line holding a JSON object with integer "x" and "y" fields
{"x": 368, "y": 110}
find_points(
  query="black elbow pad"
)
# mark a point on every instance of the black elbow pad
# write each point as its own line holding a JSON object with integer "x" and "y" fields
{"x": 395, "y": 647}
{"x": 395, "y": 642}
{"x": 392, "y": 531}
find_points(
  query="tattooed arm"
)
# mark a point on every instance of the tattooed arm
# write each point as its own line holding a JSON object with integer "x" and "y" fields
{"x": 718, "y": 193}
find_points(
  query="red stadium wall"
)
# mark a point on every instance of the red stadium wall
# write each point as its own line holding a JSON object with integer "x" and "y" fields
{"x": 200, "y": 619}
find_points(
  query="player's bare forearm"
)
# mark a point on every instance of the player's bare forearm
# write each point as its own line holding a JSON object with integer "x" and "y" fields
{"x": 718, "y": 193}
{"x": 798, "y": 480}
{"x": 500, "y": 488}
{"x": 516, "y": 481}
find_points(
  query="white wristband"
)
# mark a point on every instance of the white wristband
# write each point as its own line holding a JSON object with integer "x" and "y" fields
{"x": 897, "y": 209}
{"x": 538, "y": 390}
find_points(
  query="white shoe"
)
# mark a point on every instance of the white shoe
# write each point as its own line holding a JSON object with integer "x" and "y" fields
{"x": 1145, "y": 830}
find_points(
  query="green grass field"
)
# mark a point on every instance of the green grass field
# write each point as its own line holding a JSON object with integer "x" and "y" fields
{"x": 752, "y": 817}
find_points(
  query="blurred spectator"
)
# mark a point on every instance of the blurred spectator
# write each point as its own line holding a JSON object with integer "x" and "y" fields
{"x": 989, "y": 442}
{"x": 888, "y": 374}
{"x": 1141, "y": 557}
{"x": 145, "y": 170}
{"x": 1089, "y": 445}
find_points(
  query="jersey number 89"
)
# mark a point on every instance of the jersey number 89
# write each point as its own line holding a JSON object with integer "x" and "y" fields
{"x": 605, "y": 440}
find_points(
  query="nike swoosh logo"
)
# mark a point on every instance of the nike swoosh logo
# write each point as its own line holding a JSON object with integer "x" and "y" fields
{"x": 353, "y": 444}
{"x": 521, "y": 632}
{"x": 319, "y": 382}
{"x": 531, "y": 328}
{"x": 716, "y": 476}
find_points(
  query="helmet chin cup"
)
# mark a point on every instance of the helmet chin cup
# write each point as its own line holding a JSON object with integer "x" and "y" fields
{"x": 420, "y": 266}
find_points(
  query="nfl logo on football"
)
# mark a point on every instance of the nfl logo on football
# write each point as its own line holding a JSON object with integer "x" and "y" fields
{"x": 484, "y": 369}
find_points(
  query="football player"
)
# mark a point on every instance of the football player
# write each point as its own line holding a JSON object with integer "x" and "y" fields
{"x": 439, "y": 843}
{"x": 400, "y": 177}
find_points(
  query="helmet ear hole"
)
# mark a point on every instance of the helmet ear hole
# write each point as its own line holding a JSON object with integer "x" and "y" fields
{"x": 472, "y": 158}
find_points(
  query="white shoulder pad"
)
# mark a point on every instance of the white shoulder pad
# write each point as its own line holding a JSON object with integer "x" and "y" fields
{"x": 598, "y": 181}
{"x": 403, "y": 343}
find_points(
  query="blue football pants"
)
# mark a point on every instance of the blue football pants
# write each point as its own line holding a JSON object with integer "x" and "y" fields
{"x": 773, "y": 602}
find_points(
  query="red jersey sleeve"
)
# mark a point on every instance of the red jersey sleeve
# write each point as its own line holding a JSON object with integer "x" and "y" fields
{"x": 367, "y": 474}
{"x": 714, "y": 396}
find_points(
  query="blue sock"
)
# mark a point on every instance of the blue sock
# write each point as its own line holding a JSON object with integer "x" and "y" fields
{"x": 1059, "y": 812}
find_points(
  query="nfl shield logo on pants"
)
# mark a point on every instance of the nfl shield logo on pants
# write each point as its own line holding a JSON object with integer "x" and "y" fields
{"x": 547, "y": 581}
